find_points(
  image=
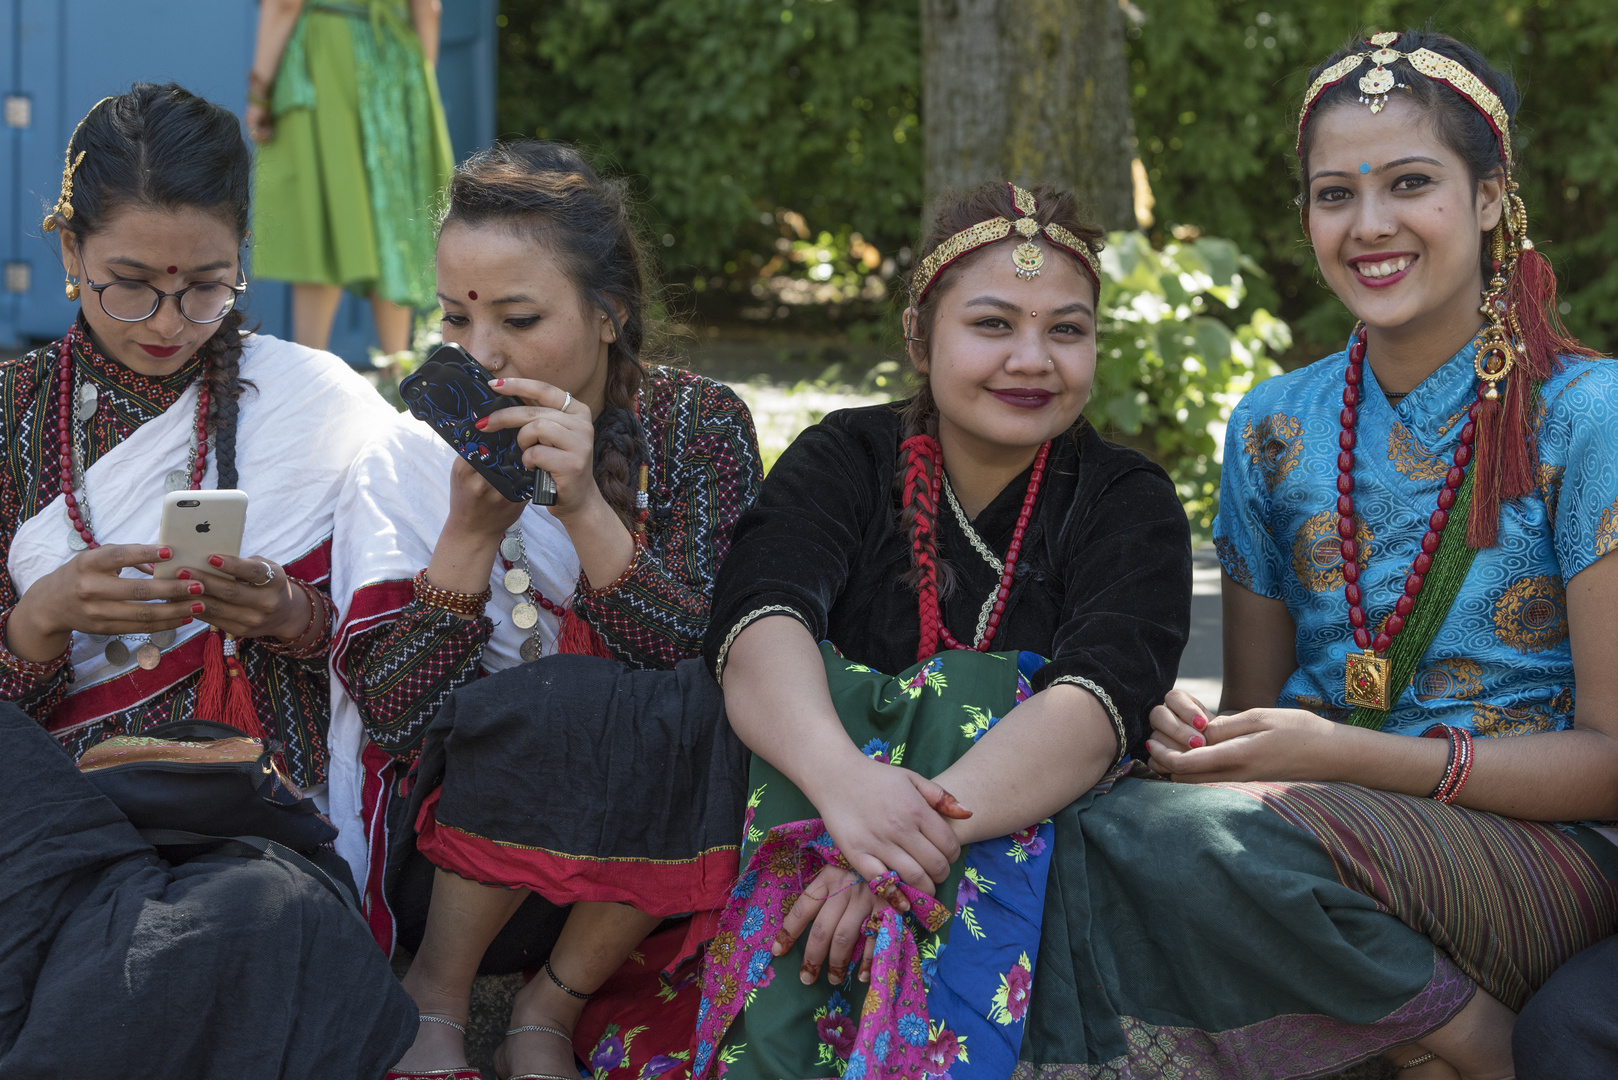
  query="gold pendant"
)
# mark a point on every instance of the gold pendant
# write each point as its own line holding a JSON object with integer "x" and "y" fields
{"x": 1028, "y": 259}
{"x": 1365, "y": 680}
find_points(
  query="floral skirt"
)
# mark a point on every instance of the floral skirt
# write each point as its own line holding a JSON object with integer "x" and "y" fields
{"x": 971, "y": 966}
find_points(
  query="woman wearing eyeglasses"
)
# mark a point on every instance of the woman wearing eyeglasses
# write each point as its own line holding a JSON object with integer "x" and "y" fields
{"x": 153, "y": 389}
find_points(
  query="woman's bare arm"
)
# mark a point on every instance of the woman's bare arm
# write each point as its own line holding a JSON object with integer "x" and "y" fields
{"x": 426, "y": 16}
{"x": 1260, "y": 647}
{"x": 276, "y": 19}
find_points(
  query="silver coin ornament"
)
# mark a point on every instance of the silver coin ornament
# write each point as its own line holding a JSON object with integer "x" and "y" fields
{"x": 116, "y": 652}
{"x": 148, "y": 656}
{"x": 75, "y": 541}
{"x": 88, "y": 399}
{"x": 162, "y": 639}
{"x": 176, "y": 480}
{"x": 525, "y": 615}
{"x": 511, "y": 548}
{"x": 532, "y": 649}
{"x": 516, "y": 580}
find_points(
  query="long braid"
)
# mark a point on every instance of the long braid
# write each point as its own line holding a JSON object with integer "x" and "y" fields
{"x": 620, "y": 443}
{"x": 222, "y": 356}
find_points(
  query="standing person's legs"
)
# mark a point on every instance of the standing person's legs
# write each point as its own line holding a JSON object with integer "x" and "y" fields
{"x": 392, "y": 326}
{"x": 1569, "y": 1030}
{"x": 313, "y": 309}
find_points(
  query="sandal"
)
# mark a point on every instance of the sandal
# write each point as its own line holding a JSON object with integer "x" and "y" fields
{"x": 467, "y": 1073}
{"x": 549, "y": 1031}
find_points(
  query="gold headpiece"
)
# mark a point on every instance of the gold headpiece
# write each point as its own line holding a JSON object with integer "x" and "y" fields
{"x": 1375, "y": 84}
{"x": 64, "y": 202}
{"x": 1027, "y": 255}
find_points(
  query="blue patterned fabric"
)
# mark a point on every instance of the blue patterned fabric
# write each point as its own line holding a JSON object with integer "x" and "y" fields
{"x": 1501, "y": 663}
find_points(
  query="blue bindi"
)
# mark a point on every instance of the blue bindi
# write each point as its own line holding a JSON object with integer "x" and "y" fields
{"x": 1365, "y": 167}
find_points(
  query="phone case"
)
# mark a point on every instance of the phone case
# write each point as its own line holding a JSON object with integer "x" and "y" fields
{"x": 450, "y": 391}
{"x": 197, "y": 524}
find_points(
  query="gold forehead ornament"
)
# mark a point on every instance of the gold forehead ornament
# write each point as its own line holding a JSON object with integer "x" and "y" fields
{"x": 1028, "y": 257}
{"x": 1379, "y": 81}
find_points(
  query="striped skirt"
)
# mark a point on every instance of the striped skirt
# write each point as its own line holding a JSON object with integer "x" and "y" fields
{"x": 1284, "y": 930}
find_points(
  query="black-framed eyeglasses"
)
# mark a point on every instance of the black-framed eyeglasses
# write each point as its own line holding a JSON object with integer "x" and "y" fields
{"x": 136, "y": 301}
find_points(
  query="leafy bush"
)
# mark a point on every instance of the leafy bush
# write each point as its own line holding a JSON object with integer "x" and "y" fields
{"x": 1169, "y": 369}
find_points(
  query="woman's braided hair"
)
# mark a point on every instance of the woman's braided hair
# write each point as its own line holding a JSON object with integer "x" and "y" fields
{"x": 164, "y": 148}
{"x": 548, "y": 191}
{"x": 916, "y": 479}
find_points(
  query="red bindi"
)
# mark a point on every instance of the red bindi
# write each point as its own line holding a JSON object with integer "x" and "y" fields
{"x": 473, "y": 295}
{"x": 174, "y": 269}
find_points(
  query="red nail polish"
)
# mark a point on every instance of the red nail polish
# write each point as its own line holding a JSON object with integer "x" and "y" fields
{"x": 1196, "y": 741}
{"x": 216, "y": 561}
{"x": 498, "y": 382}
{"x": 183, "y": 575}
{"x": 185, "y": 620}
{"x": 196, "y": 609}
{"x": 1199, "y": 722}
{"x": 165, "y": 553}
{"x": 481, "y": 422}
{"x": 195, "y": 588}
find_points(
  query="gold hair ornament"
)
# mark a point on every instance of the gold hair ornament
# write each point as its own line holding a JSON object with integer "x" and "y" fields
{"x": 64, "y": 202}
{"x": 1027, "y": 256}
{"x": 1501, "y": 340}
{"x": 1376, "y": 83}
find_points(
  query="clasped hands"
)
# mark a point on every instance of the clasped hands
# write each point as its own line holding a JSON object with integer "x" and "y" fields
{"x": 1190, "y": 744}
{"x": 882, "y": 818}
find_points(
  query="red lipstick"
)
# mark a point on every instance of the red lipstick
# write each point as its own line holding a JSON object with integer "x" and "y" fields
{"x": 1023, "y": 397}
{"x": 1409, "y": 259}
{"x": 161, "y": 352}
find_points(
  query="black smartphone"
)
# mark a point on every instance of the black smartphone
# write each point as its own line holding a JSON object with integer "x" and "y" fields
{"x": 451, "y": 392}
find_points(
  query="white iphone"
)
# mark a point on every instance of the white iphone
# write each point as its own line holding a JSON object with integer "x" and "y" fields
{"x": 197, "y": 524}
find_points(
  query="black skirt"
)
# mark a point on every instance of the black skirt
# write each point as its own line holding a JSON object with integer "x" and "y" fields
{"x": 579, "y": 778}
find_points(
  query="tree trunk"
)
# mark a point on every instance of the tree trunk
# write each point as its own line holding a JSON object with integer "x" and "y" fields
{"x": 1029, "y": 91}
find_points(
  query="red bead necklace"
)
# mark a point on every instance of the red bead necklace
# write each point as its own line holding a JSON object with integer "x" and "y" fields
{"x": 1367, "y": 676}
{"x": 926, "y": 521}
{"x": 77, "y": 507}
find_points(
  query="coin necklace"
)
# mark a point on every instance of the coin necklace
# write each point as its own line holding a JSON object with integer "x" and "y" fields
{"x": 519, "y": 581}
{"x": 1366, "y": 675}
{"x": 77, "y": 398}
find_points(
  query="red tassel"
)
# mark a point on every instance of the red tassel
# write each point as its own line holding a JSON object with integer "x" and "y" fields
{"x": 1483, "y": 523}
{"x": 579, "y": 638}
{"x": 211, "y": 690}
{"x": 224, "y": 695}
{"x": 239, "y": 711}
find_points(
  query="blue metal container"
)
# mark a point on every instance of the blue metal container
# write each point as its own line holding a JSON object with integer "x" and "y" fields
{"x": 59, "y": 57}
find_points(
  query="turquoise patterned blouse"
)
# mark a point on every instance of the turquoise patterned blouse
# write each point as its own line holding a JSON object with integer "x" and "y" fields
{"x": 1501, "y": 663}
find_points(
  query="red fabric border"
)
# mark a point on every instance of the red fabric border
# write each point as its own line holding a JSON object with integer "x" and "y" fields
{"x": 376, "y": 793}
{"x": 656, "y": 888}
{"x": 371, "y": 605}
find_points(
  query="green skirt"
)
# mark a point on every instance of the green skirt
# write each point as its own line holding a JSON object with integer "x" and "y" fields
{"x": 345, "y": 193}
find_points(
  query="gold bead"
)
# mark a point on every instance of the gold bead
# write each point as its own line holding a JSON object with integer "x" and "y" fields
{"x": 71, "y": 289}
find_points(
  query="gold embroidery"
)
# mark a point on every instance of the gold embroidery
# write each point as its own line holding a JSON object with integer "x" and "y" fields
{"x": 1317, "y": 559}
{"x": 1562, "y": 703}
{"x": 1411, "y": 458}
{"x": 1607, "y": 531}
{"x": 1454, "y": 678}
{"x": 1531, "y": 616}
{"x": 1549, "y": 482}
{"x": 1274, "y": 444}
{"x": 1447, "y": 425}
{"x": 1491, "y": 721}
{"x": 1232, "y": 561}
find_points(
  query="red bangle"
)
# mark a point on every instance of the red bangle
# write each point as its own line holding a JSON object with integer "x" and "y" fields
{"x": 1459, "y": 767}
{"x": 30, "y": 669}
{"x": 467, "y": 605}
{"x": 320, "y": 608}
{"x": 634, "y": 560}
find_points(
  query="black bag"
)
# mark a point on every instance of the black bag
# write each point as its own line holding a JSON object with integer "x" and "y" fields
{"x": 197, "y": 776}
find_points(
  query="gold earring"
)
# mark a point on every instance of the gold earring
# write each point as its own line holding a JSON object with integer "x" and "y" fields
{"x": 71, "y": 289}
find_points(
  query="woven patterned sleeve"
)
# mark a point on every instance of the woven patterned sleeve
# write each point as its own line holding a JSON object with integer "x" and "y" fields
{"x": 400, "y": 673}
{"x": 706, "y": 471}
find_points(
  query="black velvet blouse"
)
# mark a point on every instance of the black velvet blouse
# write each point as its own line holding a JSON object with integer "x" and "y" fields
{"x": 1102, "y": 586}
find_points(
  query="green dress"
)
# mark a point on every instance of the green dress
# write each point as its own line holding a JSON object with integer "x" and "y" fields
{"x": 345, "y": 192}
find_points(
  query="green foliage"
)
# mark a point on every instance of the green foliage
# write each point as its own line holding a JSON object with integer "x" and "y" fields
{"x": 1216, "y": 86}
{"x": 1169, "y": 370}
{"x": 726, "y": 110}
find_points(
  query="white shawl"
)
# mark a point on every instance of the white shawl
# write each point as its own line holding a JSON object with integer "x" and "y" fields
{"x": 298, "y": 428}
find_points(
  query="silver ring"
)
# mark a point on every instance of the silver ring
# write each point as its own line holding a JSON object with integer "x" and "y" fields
{"x": 269, "y": 572}
{"x": 567, "y": 401}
